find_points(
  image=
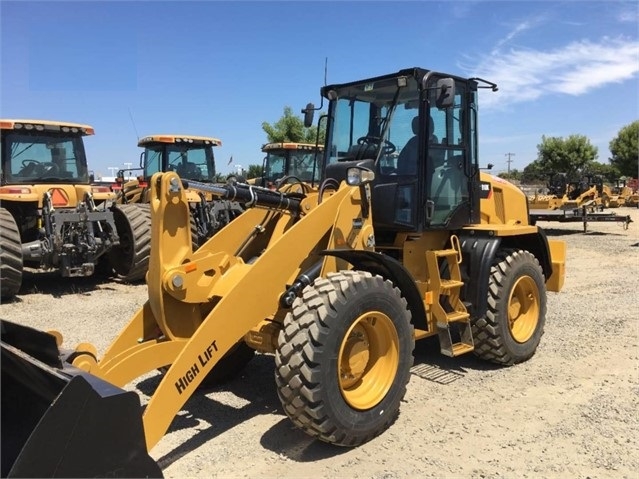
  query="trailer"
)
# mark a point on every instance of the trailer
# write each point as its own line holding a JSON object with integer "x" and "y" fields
{"x": 584, "y": 214}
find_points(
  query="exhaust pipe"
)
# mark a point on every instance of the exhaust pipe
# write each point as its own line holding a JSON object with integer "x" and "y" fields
{"x": 59, "y": 421}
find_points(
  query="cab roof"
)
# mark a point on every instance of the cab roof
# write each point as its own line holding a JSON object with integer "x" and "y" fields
{"x": 46, "y": 125}
{"x": 291, "y": 146}
{"x": 180, "y": 139}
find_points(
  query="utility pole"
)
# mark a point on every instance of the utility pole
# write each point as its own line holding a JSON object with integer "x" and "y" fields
{"x": 509, "y": 161}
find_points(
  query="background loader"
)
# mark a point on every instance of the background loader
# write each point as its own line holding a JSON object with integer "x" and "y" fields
{"x": 51, "y": 217}
{"x": 192, "y": 158}
{"x": 405, "y": 239}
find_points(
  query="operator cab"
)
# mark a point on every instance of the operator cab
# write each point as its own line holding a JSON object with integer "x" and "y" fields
{"x": 417, "y": 130}
{"x": 290, "y": 160}
{"x": 41, "y": 151}
{"x": 190, "y": 156}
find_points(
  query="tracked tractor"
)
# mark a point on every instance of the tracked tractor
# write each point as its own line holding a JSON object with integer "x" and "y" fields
{"x": 51, "y": 217}
{"x": 405, "y": 239}
{"x": 289, "y": 162}
{"x": 190, "y": 156}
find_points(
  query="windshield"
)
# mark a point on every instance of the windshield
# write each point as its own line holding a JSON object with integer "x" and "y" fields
{"x": 297, "y": 163}
{"x": 275, "y": 166}
{"x": 190, "y": 162}
{"x": 365, "y": 112}
{"x": 38, "y": 158}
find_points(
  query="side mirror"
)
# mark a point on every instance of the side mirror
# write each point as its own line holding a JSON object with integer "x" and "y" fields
{"x": 142, "y": 159}
{"x": 309, "y": 112}
{"x": 445, "y": 93}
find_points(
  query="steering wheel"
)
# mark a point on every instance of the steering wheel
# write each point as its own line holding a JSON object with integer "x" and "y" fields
{"x": 387, "y": 148}
{"x": 38, "y": 168}
{"x": 49, "y": 168}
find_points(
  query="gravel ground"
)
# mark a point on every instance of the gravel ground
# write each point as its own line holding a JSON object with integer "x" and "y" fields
{"x": 570, "y": 411}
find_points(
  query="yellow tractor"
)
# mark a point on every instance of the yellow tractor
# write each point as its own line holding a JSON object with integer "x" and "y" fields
{"x": 287, "y": 162}
{"x": 51, "y": 217}
{"x": 568, "y": 194}
{"x": 192, "y": 157}
{"x": 342, "y": 279}
{"x": 618, "y": 195}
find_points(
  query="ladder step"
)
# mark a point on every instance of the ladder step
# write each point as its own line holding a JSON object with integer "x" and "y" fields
{"x": 457, "y": 316}
{"x": 462, "y": 348}
{"x": 448, "y": 284}
{"x": 465, "y": 344}
{"x": 445, "y": 252}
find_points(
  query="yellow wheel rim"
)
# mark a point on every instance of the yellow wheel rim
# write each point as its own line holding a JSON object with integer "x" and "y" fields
{"x": 368, "y": 360}
{"x": 523, "y": 309}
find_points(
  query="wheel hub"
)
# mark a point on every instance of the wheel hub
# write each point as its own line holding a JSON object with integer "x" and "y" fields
{"x": 355, "y": 357}
{"x": 368, "y": 360}
{"x": 523, "y": 309}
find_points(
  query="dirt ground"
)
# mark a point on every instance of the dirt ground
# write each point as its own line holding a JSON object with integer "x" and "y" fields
{"x": 569, "y": 412}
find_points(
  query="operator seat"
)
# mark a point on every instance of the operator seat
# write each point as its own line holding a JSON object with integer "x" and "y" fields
{"x": 408, "y": 157}
{"x": 189, "y": 170}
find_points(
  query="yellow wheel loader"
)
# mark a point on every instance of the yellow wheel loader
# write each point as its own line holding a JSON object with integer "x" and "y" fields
{"x": 405, "y": 239}
{"x": 51, "y": 217}
{"x": 192, "y": 158}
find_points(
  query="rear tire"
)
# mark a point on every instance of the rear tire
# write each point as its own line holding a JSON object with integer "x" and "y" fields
{"x": 130, "y": 259}
{"x": 11, "y": 265}
{"x": 344, "y": 356}
{"x": 514, "y": 322}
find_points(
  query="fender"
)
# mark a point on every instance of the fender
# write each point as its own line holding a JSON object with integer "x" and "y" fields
{"x": 391, "y": 269}
{"x": 479, "y": 253}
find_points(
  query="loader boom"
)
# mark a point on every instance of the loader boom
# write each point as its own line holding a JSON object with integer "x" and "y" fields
{"x": 197, "y": 309}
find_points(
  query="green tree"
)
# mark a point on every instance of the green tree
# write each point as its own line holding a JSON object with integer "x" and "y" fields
{"x": 625, "y": 150}
{"x": 254, "y": 171}
{"x": 513, "y": 175}
{"x": 291, "y": 128}
{"x": 534, "y": 173}
{"x": 570, "y": 155}
{"x": 610, "y": 173}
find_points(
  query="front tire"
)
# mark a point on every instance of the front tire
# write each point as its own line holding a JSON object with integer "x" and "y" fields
{"x": 11, "y": 265}
{"x": 344, "y": 357}
{"x": 511, "y": 330}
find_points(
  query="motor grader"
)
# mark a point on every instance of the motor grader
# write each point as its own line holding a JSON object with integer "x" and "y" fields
{"x": 289, "y": 162}
{"x": 52, "y": 218}
{"x": 405, "y": 239}
{"x": 192, "y": 158}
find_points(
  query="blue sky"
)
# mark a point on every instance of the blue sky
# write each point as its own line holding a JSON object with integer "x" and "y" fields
{"x": 220, "y": 69}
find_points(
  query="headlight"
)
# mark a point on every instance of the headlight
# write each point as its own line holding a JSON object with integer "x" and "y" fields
{"x": 359, "y": 176}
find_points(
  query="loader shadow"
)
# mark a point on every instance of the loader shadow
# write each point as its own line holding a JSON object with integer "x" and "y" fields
{"x": 209, "y": 411}
{"x": 291, "y": 442}
{"x": 431, "y": 365}
{"x": 51, "y": 283}
{"x": 254, "y": 388}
